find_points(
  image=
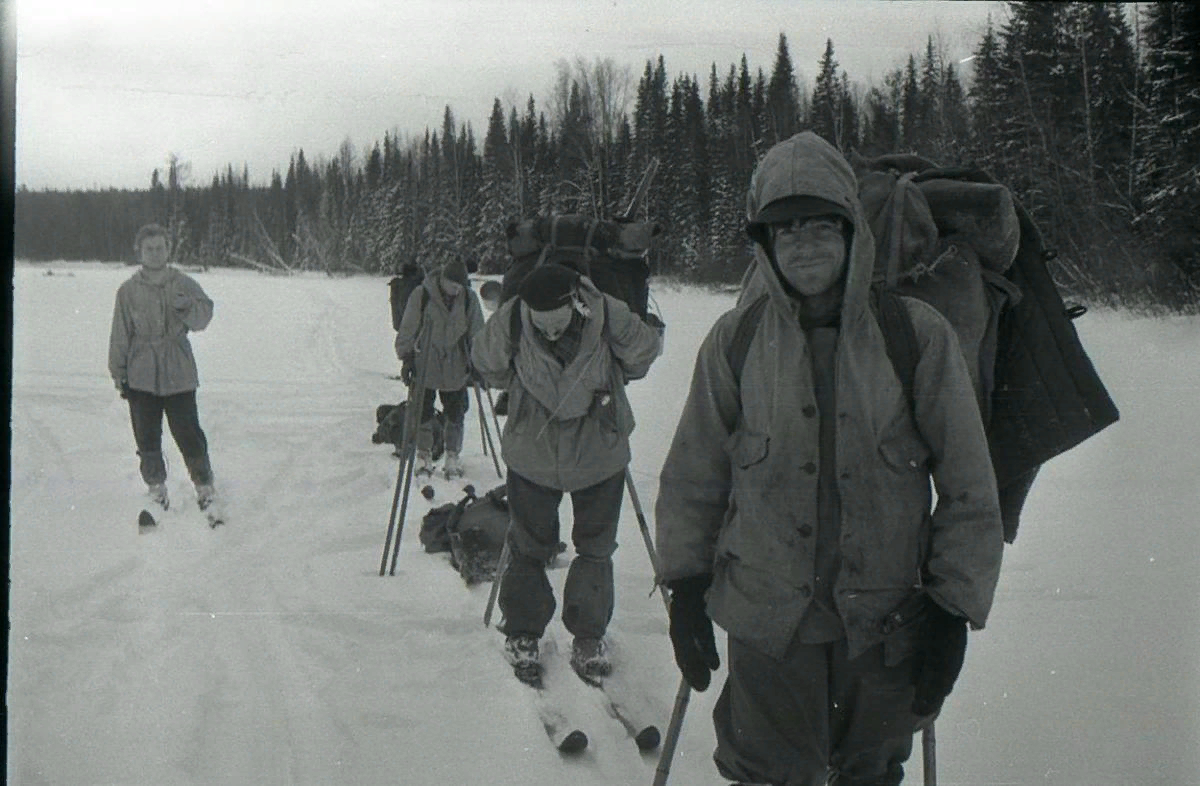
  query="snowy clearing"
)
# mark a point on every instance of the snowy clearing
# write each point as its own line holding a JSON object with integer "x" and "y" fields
{"x": 270, "y": 651}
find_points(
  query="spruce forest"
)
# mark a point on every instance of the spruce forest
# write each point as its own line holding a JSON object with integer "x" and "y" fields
{"x": 1091, "y": 115}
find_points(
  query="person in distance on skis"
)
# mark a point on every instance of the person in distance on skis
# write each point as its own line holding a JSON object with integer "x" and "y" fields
{"x": 152, "y": 365}
{"x": 445, "y": 309}
{"x": 564, "y": 357}
{"x": 794, "y": 506}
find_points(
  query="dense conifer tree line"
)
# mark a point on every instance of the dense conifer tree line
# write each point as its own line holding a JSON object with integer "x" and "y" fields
{"x": 1090, "y": 116}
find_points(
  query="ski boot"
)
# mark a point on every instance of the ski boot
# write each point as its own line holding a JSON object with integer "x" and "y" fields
{"x": 424, "y": 467}
{"x": 158, "y": 495}
{"x": 521, "y": 651}
{"x": 453, "y": 468}
{"x": 589, "y": 659}
{"x": 206, "y": 500}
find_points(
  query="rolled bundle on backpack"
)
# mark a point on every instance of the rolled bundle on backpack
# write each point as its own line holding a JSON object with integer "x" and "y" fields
{"x": 982, "y": 216}
{"x": 905, "y": 231}
{"x": 579, "y": 233}
{"x": 611, "y": 253}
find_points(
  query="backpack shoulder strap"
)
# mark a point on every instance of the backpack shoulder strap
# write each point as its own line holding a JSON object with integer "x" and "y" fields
{"x": 899, "y": 336}
{"x": 514, "y": 325}
{"x": 747, "y": 326}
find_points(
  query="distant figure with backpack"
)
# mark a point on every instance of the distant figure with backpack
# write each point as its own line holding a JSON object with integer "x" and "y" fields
{"x": 151, "y": 363}
{"x": 794, "y": 506}
{"x": 564, "y": 351}
{"x": 440, "y": 320}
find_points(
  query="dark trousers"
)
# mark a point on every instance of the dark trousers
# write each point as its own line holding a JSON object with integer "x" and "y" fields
{"x": 526, "y": 599}
{"x": 146, "y": 414}
{"x": 789, "y": 722}
{"x": 454, "y": 409}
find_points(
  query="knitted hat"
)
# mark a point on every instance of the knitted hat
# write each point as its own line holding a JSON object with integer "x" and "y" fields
{"x": 455, "y": 271}
{"x": 548, "y": 287}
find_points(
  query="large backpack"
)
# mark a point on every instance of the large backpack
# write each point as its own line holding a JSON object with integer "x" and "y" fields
{"x": 957, "y": 240}
{"x": 401, "y": 287}
{"x": 611, "y": 253}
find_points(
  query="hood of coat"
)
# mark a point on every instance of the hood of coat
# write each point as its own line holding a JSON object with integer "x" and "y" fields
{"x": 807, "y": 165}
{"x": 433, "y": 285}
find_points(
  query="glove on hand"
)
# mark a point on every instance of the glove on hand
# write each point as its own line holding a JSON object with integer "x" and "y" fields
{"x": 692, "y": 631}
{"x": 408, "y": 368}
{"x": 181, "y": 301}
{"x": 940, "y": 655}
{"x": 123, "y": 389}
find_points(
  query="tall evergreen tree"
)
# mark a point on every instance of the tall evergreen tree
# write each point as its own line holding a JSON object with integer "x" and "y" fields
{"x": 913, "y": 133}
{"x": 1170, "y": 183}
{"x": 826, "y": 108}
{"x": 782, "y": 109}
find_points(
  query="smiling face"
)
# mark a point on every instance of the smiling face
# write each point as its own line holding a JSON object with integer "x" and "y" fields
{"x": 811, "y": 253}
{"x": 153, "y": 252}
{"x": 553, "y": 323}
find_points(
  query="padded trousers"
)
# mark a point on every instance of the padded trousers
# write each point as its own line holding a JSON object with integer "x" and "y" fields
{"x": 146, "y": 415}
{"x": 526, "y": 598}
{"x": 791, "y": 722}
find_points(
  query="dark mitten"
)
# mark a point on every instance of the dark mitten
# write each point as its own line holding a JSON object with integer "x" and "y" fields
{"x": 406, "y": 370}
{"x": 692, "y": 631}
{"x": 940, "y": 656}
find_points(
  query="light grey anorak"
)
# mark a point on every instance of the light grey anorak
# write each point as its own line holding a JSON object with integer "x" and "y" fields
{"x": 568, "y": 427}
{"x": 148, "y": 347}
{"x": 449, "y": 330}
{"x": 738, "y": 491}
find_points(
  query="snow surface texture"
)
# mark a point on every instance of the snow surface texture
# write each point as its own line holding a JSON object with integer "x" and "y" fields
{"x": 270, "y": 651}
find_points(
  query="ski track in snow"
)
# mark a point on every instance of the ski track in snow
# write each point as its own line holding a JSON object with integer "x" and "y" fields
{"x": 269, "y": 650}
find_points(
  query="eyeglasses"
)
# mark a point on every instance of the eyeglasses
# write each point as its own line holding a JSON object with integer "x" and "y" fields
{"x": 819, "y": 229}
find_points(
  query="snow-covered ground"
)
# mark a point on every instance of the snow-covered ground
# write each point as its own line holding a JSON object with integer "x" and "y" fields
{"x": 270, "y": 651}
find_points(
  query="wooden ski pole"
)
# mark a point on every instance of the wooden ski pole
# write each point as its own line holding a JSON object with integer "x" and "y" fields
{"x": 684, "y": 692}
{"x": 487, "y": 434}
{"x": 501, "y": 565}
{"x": 663, "y": 770}
{"x": 929, "y": 755}
{"x": 643, "y": 187}
{"x": 403, "y": 474}
{"x": 412, "y": 449}
{"x": 492, "y": 407}
{"x": 405, "y": 465}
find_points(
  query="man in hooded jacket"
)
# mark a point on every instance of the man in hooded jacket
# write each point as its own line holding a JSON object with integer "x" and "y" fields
{"x": 794, "y": 506}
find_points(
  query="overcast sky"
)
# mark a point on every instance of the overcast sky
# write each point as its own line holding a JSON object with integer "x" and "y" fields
{"x": 107, "y": 90}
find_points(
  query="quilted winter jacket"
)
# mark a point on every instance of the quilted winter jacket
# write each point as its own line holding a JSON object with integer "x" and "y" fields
{"x": 148, "y": 346}
{"x": 450, "y": 331}
{"x": 568, "y": 427}
{"x": 738, "y": 491}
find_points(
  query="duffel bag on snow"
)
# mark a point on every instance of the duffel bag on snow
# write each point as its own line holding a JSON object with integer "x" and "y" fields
{"x": 389, "y": 427}
{"x": 477, "y": 535}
